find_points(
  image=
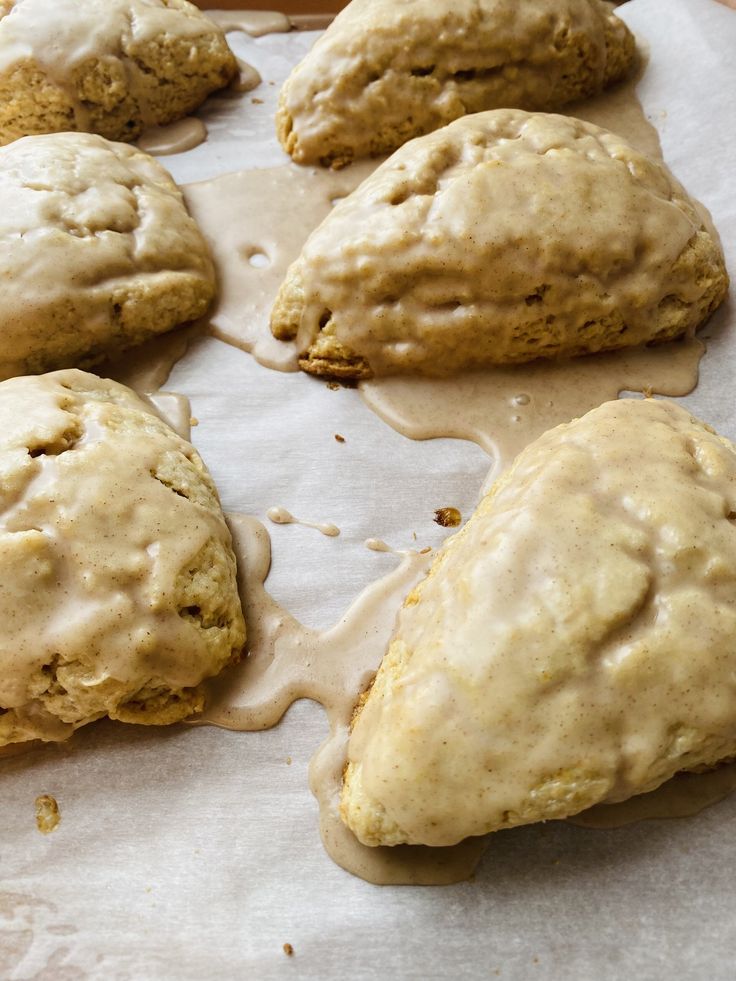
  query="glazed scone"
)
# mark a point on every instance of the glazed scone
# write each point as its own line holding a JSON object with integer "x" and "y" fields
{"x": 386, "y": 71}
{"x": 112, "y": 67}
{"x": 97, "y": 252}
{"x": 118, "y": 590}
{"x": 574, "y": 643}
{"x": 504, "y": 237}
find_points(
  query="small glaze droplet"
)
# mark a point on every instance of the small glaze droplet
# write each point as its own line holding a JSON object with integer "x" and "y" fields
{"x": 247, "y": 78}
{"x": 376, "y": 545}
{"x": 280, "y": 516}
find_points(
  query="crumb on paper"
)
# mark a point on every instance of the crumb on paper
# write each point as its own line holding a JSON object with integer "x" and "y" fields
{"x": 414, "y": 535}
{"x": 333, "y": 386}
{"x": 288, "y": 761}
{"x": 339, "y": 438}
{"x": 288, "y": 950}
{"x": 257, "y": 102}
{"x": 193, "y": 421}
{"x": 425, "y": 551}
{"x": 448, "y": 517}
{"x": 47, "y": 814}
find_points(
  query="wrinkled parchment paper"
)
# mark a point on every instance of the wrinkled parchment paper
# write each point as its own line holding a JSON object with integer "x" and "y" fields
{"x": 194, "y": 853}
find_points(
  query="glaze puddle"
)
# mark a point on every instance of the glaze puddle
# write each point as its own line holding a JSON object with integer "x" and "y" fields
{"x": 256, "y": 23}
{"x": 287, "y": 661}
{"x": 184, "y": 134}
{"x": 505, "y": 409}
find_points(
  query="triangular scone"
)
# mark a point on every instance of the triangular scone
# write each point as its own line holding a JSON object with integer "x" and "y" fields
{"x": 111, "y": 67}
{"x": 389, "y": 70}
{"x": 504, "y": 237}
{"x": 574, "y": 643}
{"x": 118, "y": 592}
{"x": 98, "y": 252}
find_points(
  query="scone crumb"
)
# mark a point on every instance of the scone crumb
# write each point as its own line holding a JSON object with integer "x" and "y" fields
{"x": 257, "y": 102}
{"x": 288, "y": 761}
{"x": 47, "y": 814}
{"x": 288, "y": 950}
{"x": 426, "y": 550}
{"x": 339, "y": 438}
{"x": 448, "y": 517}
{"x": 193, "y": 421}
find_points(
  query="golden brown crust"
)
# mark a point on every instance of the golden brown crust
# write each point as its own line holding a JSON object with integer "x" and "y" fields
{"x": 444, "y": 261}
{"x": 97, "y": 252}
{"x": 120, "y": 593}
{"x": 573, "y": 644}
{"x": 135, "y": 82}
{"x": 387, "y": 71}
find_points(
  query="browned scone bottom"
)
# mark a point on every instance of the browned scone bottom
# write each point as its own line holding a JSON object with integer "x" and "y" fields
{"x": 502, "y": 238}
{"x": 118, "y": 590}
{"x": 112, "y": 67}
{"x": 97, "y": 252}
{"x": 386, "y": 71}
{"x": 573, "y": 644}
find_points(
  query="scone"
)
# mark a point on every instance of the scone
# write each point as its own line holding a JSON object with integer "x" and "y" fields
{"x": 504, "y": 237}
{"x": 574, "y": 643}
{"x": 97, "y": 252}
{"x": 389, "y": 70}
{"x": 117, "y": 577}
{"x": 112, "y": 67}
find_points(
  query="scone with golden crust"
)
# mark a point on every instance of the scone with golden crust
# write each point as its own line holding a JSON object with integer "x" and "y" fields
{"x": 504, "y": 237}
{"x": 97, "y": 252}
{"x": 118, "y": 593}
{"x": 112, "y": 67}
{"x": 574, "y": 643}
{"x": 386, "y": 71}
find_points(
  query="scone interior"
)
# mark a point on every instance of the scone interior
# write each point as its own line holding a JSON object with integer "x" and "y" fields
{"x": 118, "y": 592}
{"x": 574, "y": 643}
{"x": 111, "y": 67}
{"x": 386, "y": 71}
{"x": 505, "y": 237}
{"x": 97, "y": 252}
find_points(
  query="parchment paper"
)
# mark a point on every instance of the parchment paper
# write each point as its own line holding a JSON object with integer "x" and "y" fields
{"x": 195, "y": 853}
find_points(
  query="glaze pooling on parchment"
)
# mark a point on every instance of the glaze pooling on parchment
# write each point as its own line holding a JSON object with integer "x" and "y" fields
{"x": 287, "y": 661}
{"x": 184, "y": 134}
{"x": 256, "y": 222}
{"x": 683, "y": 796}
{"x": 147, "y": 367}
{"x": 505, "y": 409}
{"x": 256, "y": 23}
{"x": 619, "y": 109}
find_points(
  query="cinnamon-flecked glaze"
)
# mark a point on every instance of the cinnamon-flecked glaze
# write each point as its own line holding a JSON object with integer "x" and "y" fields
{"x": 504, "y": 237}
{"x": 389, "y": 70}
{"x": 118, "y": 593}
{"x": 574, "y": 643}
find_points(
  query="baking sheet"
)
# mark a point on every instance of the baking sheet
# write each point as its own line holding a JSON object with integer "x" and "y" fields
{"x": 195, "y": 853}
